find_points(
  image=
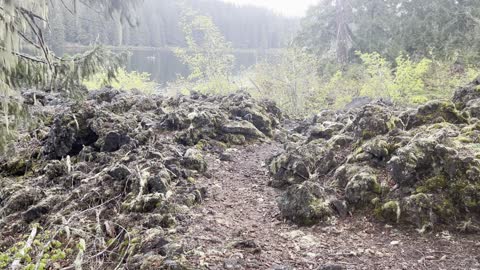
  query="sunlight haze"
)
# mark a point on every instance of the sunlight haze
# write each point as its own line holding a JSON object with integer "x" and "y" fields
{"x": 296, "y": 8}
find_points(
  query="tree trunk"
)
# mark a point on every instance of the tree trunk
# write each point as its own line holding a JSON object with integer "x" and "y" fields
{"x": 342, "y": 32}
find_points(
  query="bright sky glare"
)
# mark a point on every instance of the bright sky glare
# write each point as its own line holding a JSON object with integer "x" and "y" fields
{"x": 293, "y": 8}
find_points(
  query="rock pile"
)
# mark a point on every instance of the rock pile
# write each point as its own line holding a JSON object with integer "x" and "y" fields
{"x": 118, "y": 171}
{"x": 419, "y": 167}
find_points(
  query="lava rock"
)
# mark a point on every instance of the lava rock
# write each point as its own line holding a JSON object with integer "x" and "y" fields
{"x": 114, "y": 140}
{"x": 305, "y": 204}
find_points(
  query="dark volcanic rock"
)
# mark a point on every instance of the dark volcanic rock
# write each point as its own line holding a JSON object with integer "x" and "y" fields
{"x": 121, "y": 166}
{"x": 114, "y": 140}
{"x": 419, "y": 167}
{"x": 306, "y": 203}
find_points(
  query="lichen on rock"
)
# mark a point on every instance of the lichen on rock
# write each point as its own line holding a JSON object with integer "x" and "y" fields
{"x": 413, "y": 166}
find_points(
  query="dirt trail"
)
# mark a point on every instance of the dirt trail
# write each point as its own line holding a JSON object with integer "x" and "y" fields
{"x": 238, "y": 227}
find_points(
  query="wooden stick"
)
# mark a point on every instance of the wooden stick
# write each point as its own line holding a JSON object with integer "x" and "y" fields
{"x": 33, "y": 234}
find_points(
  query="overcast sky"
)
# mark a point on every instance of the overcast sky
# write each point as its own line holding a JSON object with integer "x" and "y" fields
{"x": 286, "y": 7}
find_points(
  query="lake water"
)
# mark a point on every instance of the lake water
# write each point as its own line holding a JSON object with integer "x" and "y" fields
{"x": 164, "y": 66}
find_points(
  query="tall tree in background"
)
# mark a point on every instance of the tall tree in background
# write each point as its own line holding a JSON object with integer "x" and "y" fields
{"x": 342, "y": 17}
{"x": 435, "y": 28}
{"x": 207, "y": 54}
{"x": 159, "y": 25}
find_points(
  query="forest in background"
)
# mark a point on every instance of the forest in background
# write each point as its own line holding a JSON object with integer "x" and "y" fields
{"x": 157, "y": 24}
{"x": 408, "y": 53}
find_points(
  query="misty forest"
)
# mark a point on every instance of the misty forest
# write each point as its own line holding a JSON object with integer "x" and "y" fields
{"x": 231, "y": 134}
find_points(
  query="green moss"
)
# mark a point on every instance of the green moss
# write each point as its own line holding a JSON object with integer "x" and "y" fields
{"x": 464, "y": 139}
{"x": 421, "y": 200}
{"x": 358, "y": 151}
{"x": 392, "y": 123}
{"x": 377, "y": 188}
{"x": 366, "y": 134}
{"x": 440, "y": 110}
{"x": 17, "y": 167}
{"x": 390, "y": 211}
{"x": 320, "y": 209}
{"x": 200, "y": 145}
{"x": 445, "y": 209}
{"x": 471, "y": 203}
{"x": 440, "y": 125}
{"x": 438, "y": 182}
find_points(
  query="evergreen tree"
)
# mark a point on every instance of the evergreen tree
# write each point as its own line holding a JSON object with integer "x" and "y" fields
{"x": 433, "y": 28}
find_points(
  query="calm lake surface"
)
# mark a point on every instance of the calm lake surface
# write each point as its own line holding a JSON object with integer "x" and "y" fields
{"x": 165, "y": 67}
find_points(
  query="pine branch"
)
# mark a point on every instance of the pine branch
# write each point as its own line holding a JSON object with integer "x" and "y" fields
{"x": 24, "y": 56}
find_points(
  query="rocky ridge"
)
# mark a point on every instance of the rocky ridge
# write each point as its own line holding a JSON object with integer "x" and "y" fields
{"x": 117, "y": 179}
{"x": 117, "y": 172}
{"x": 419, "y": 167}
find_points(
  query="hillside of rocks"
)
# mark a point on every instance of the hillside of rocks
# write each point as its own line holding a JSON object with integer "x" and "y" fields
{"x": 417, "y": 167}
{"x": 115, "y": 174}
{"x": 124, "y": 180}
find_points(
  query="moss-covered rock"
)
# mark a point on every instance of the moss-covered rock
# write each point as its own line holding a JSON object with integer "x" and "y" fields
{"x": 412, "y": 161}
{"x": 390, "y": 211}
{"x": 375, "y": 151}
{"x": 433, "y": 112}
{"x": 306, "y": 203}
{"x": 17, "y": 166}
{"x": 472, "y": 108}
{"x": 298, "y": 165}
{"x": 345, "y": 173}
{"x": 464, "y": 94}
{"x": 417, "y": 209}
{"x": 243, "y": 127}
{"x": 193, "y": 159}
{"x": 373, "y": 120}
{"x": 21, "y": 200}
{"x": 362, "y": 189}
{"x": 419, "y": 167}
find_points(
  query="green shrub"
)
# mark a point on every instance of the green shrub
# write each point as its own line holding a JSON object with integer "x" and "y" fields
{"x": 290, "y": 79}
{"x": 45, "y": 250}
{"x": 207, "y": 55}
{"x": 404, "y": 82}
{"x": 124, "y": 80}
{"x": 294, "y": 81}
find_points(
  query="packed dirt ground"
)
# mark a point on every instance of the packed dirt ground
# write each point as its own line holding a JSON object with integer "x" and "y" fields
{"x": 122, "y": 180}
{"x": 239, "y": 226}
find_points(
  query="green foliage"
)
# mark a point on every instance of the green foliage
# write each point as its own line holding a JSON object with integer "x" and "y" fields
{"x": 409, "y": 84}
{"x": 442, "y": 28}
{"x": 44, "y": 251}
{"x": 293, "y": 81}
{"x": 289, "y": 78}
{"x": 123, "y": 80}
{"x": 404, "y": 82}
{"x": 27, "y": 61}
{"x": 207, "y": 54}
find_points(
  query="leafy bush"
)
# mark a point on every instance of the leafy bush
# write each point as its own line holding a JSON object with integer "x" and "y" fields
{"x": 409, "y": 82}
{"x": 124, "y": 80}
{"x": 294, "y": 81}
{"x": 289, "y": 78}
{"x": 207, "y": 55}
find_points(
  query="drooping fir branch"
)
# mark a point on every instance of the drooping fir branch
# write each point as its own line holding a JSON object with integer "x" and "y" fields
{"x": 27, "y": 61}
{"x": 25, "y": 23}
